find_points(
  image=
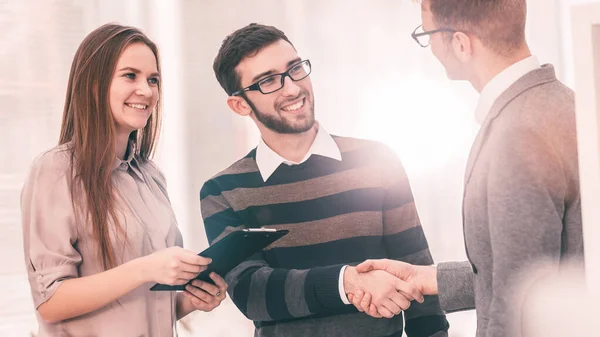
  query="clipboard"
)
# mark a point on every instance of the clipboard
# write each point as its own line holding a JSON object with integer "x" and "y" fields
{"x": 229, "y": 252}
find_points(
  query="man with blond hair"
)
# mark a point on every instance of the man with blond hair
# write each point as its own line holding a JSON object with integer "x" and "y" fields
{"x": 521, "y": 201}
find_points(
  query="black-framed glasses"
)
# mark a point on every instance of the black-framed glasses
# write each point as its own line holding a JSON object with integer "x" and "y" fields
{"x": 275, "y": 82}
{"x": 423, "y": 38}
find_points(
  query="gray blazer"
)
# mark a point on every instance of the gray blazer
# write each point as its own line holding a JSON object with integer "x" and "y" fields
{"x": 521, "y": 203}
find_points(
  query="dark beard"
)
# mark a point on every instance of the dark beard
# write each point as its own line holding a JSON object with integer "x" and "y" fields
{"x": 280, "y": 125}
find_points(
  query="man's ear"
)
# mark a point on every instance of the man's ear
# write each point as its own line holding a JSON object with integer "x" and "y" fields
{"x": 239, "y": 105}
{"x": 462, "y": 45}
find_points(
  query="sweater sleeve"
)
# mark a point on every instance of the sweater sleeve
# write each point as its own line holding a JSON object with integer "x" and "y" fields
{"x": 263, "y": 293}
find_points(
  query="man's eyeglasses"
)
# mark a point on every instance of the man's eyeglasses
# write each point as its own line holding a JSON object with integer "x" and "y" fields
{"x": 275, "y": 82}
{"x": 423, "y": 37}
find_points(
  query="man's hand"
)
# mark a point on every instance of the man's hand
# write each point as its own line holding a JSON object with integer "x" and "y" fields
{"x": 389, "y": 294}
{"x": 362, "y": 302}
{"x": 424, "y": 278}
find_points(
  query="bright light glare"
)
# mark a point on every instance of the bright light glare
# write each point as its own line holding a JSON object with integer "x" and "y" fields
{"x": 423, "y": 120}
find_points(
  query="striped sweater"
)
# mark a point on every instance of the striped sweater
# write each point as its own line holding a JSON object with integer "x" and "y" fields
{"x": 338, "y": 213}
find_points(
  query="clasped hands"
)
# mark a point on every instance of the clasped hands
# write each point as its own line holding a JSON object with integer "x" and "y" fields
{"x": 384, "y": 288}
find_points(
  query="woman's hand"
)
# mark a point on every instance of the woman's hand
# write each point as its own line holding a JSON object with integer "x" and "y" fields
{"x": 205, "y": 296}
{"x": 172, "y": 266}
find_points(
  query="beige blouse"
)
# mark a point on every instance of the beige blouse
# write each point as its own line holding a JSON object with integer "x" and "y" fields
{"x": 59, "y": 248}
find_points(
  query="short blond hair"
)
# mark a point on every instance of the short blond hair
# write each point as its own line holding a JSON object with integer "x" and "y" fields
{"x": 499, "y": 24}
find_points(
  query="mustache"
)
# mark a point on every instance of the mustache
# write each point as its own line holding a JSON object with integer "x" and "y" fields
{"x": 304, "y": 95}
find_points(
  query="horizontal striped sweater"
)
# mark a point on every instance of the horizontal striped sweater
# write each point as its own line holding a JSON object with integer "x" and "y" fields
{"x": 338, "y": 213}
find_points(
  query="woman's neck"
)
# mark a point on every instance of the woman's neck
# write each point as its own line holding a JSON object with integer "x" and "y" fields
{"x": 122, "y": 144}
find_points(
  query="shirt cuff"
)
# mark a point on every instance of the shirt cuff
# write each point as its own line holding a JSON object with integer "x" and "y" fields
{"x": 341, "y": 286}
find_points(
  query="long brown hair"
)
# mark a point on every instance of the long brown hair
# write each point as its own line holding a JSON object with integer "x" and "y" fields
{"x": 89, "y": 130}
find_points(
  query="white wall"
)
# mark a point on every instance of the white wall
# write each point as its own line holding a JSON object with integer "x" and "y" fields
{"x": 38, "y": 41}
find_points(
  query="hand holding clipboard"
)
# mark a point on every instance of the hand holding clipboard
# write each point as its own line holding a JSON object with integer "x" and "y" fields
{"x": 230, "y": 251}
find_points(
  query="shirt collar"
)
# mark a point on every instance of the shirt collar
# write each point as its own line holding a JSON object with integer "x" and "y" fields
{"x": 500, "y": 83}
{"x": 268, "y": 160}
{"x": 129, "y": 162}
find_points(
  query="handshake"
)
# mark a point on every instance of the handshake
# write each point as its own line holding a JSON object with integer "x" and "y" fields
{"x": 384, "y": 288}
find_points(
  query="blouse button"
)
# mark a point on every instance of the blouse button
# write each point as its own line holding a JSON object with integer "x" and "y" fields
{"x": 39, "y": 277}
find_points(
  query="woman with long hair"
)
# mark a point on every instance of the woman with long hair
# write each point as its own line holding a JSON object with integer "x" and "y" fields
{"x": 98, "y": 228}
